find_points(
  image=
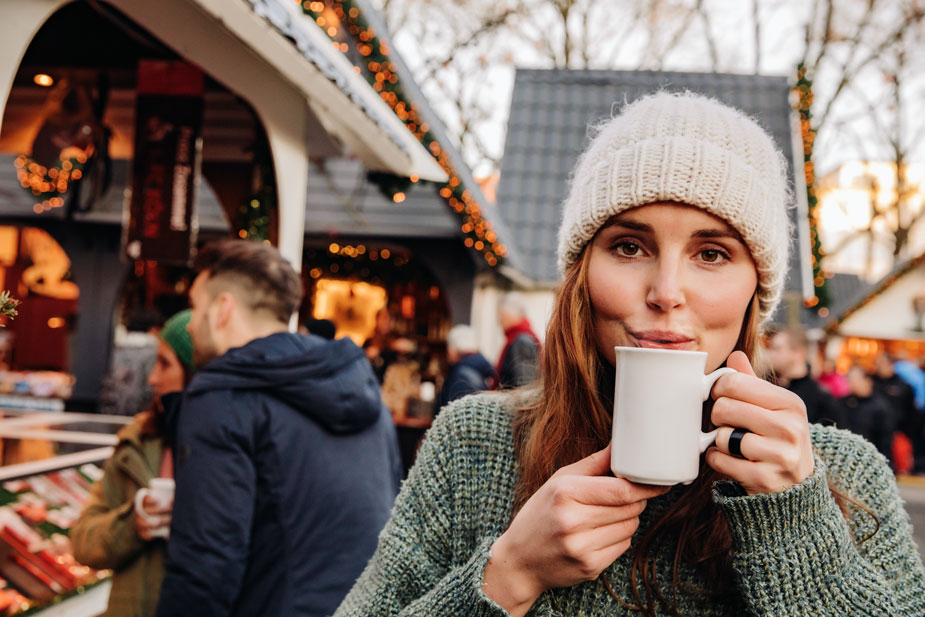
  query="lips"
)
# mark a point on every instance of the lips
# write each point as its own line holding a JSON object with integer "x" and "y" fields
{"x": 662, "y": 339}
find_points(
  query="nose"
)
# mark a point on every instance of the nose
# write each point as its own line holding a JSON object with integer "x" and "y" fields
{"x": 153, "y": 376}
{"x": 666, "y": 290}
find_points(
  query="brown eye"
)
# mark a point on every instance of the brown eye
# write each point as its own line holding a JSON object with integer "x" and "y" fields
{"x": 713, "y": 256}
{"x": 627, "y": 249}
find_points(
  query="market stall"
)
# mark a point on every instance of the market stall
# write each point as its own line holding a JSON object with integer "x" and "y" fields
{"x": 889, "y": 318}
{"x": 41, "y": 497}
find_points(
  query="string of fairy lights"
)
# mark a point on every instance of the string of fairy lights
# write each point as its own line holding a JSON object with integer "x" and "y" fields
{"x": 804, "y": 89}
{"x": 48, "y": 184}
{"x": 342, "y": 16}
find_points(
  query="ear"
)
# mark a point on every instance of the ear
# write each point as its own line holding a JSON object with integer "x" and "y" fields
{"x": 226, "y": 306}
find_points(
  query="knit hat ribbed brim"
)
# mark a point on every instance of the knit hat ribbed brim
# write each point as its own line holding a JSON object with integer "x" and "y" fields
{"x": 693, "y": 150}
{"x": 175, "y": 334}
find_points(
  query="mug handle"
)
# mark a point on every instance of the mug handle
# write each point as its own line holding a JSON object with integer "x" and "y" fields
{"x": 707, "y": 439}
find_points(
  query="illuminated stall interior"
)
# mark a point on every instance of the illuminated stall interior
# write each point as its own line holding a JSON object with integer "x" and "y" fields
{"x": 35, "y": 268}
{"x": 351, "y": 283}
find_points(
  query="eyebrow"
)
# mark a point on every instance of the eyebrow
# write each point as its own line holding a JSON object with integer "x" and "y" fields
{"x": 717, "y": 233}
{"x": 626, "y": 223}
{"x": 629, "y": 224}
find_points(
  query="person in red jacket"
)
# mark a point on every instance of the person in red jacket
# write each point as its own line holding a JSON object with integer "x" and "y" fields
{"x": 518, "y": 364}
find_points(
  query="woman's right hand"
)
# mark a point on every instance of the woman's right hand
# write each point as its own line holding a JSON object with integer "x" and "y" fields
{"x": 154, "y": 520}
{"x": 578, "y": 523}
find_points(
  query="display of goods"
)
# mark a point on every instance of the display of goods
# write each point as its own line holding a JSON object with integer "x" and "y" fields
{"x": 11, "y": 601}
{"x": 37, "y": 562}
{"x": 44, "y": 384}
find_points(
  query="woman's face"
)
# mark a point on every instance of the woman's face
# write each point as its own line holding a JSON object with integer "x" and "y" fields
{"x": 672, "y": 277}
{"x": 167, "y": 374}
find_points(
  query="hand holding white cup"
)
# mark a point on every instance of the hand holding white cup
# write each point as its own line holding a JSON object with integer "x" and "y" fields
{"x": 153, "y": 507}
{"x": 774, "y": 453}
{"x": 658, "y": 411}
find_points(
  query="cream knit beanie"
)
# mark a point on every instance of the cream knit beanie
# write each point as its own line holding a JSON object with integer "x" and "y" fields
{"x": 692, "y": 150}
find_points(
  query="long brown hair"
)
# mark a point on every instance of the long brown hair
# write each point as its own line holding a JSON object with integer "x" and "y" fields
{"x": 567, "y": 417}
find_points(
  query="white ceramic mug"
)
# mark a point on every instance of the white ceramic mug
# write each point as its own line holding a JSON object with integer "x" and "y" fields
{"x": 657, "y": 414}
{"x": 161, "y": 491}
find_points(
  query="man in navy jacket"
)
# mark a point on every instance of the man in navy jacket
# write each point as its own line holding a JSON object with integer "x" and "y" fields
{"x": 286, "y": 460}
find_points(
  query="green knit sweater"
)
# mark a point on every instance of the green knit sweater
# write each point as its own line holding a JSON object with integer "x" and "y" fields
{"x": 793, "y": 551}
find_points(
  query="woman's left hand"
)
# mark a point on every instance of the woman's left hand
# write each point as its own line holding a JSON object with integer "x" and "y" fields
{"x": 776, "y": 452}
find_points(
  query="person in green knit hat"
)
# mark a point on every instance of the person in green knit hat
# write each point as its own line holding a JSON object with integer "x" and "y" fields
{"x": 674, "y": 235}
{"x": 111, "y": 533}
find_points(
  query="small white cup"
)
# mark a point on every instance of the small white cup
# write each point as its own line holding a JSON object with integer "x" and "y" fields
{"x": 657, "y": 414}
{"x": 161, "y": 491}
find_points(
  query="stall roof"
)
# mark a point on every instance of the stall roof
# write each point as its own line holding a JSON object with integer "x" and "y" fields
{"x": 885, "y": 310}
{"x": 281, "y": 36}
{"x": 314, "y": 46}
{"x": 340, "y": 202}
{"x": 551, "y": 111}
{"x": 343, "y": 200}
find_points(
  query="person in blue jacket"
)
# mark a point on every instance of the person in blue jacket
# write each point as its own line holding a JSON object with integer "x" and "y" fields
{"x": 469, "y": 371}
{"x": 286, "y": 460}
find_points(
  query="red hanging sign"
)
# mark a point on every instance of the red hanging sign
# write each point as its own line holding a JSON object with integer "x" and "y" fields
{"x": 162, "y": 223}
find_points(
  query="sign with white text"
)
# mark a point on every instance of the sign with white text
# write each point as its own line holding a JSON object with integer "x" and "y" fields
{"x": 162, "y": 223}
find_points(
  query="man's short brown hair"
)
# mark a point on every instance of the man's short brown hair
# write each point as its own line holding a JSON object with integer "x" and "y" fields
{"x": 268, "y": 281}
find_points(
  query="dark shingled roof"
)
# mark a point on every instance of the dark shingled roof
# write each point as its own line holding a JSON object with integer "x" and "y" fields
{"x": 551, "y": 111}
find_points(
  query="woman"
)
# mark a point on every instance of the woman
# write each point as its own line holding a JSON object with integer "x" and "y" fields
{"x": 674, "y": 235}
{"x": 110, "y": 532}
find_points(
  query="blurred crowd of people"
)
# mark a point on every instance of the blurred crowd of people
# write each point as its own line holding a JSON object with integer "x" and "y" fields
{"x": 885, "y": 403}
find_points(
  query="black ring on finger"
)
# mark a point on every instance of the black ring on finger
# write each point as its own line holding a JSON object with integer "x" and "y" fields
{"x": 735, "y": 442}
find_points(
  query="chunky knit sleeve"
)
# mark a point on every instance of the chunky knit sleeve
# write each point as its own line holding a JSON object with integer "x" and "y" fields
{"x": 795, "y": 553}
{"x": 434, "y": 549}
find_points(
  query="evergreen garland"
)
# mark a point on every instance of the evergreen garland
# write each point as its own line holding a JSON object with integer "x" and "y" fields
{"x": 804, "y": 90}
{"x": 8, "y": 306}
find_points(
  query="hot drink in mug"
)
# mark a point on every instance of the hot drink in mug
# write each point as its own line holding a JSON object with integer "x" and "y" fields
{"x": 657, "y": 413}
{"x": 161, "y": 491}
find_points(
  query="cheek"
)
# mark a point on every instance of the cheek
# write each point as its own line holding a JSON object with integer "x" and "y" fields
{"x": 724, "y": 309}
{"x": 173, "y": 381}
{"x": 608, "y": 288}
{"x": 199, "y": 329}
{"x": 721, "y": 312}
{"x": 614, "y": 297}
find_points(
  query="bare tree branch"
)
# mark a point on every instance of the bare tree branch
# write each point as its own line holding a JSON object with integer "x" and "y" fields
{"x": 847, "y": 75}
{"x": 756, "y": 22}
{"x": 487, "y": 28}
{"x": 539, "y": 37}
{"x": 586, "y": 38}
{"x": 678, "y": 35}
{"x": 565, "y": 6}
{"x": 623, "y": 37}
{"x": 708, "y": 35}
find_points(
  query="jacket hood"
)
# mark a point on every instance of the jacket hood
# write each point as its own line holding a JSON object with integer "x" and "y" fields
{"x": 331, "y": 382}
{"x": 478, "y": 362}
